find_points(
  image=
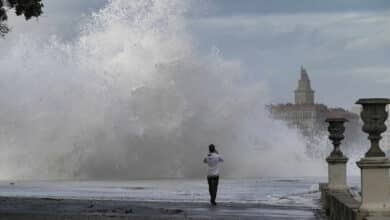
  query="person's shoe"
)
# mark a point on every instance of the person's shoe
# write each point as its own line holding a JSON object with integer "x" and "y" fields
{"x": 213, "y": 203}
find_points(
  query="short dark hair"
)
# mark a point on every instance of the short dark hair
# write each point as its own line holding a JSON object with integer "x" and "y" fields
{"x": 212, "y": 148}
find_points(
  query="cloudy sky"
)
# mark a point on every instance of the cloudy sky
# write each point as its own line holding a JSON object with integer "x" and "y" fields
{"x": 344, "y": 44}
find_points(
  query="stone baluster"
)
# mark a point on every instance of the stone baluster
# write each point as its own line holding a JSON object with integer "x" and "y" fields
{"x": 337, "y": 171}
{"x": 375, "y": 166}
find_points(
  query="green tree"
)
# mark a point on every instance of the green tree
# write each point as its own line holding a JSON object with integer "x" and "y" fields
{"x": 28, "y": 8}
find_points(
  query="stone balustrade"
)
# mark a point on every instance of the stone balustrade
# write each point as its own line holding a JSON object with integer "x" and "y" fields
{"x": 375, "y": 169}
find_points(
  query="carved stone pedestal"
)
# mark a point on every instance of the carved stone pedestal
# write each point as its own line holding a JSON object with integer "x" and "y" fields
{"x": 375, "y": 166}
{"x": 337, "y": 173}
{"x": 375, "y": 184}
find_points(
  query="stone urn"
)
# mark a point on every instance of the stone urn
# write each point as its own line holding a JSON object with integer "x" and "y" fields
{"x": 336, "y": 130}
{"x": 374, "y": 115}
{"x": 337, "y": 169}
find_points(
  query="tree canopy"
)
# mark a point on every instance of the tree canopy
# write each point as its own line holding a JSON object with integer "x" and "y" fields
{"x": 28, "y": 8}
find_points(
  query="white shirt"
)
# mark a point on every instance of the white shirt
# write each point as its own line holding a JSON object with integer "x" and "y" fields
{"x": 212, "y": 160}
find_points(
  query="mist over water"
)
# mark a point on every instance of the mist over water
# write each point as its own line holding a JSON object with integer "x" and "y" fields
{"x": 131, "y": 97}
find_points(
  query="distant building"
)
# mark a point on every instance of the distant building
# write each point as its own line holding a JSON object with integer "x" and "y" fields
{"x": 309, "y": 117}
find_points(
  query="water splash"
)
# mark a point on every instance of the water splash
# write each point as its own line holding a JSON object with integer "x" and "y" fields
{"x": 132, "y": 98}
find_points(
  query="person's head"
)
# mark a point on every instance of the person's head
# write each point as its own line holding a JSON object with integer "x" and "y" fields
{"x": 212, "y": 148}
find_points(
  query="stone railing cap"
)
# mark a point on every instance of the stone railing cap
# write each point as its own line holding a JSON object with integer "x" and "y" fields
{"x": 336, "y": 159}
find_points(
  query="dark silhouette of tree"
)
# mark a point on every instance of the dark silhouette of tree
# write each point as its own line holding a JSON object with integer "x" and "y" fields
{"x": 28, "y": 8}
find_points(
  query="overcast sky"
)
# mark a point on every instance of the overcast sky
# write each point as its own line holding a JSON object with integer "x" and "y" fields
{"x": 344, "y": 44}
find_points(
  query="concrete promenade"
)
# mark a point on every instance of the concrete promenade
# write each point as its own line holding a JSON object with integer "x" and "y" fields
{"x": 53, "y": 209}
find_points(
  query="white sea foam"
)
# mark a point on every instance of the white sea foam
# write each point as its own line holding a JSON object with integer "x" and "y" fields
{"x": 131, "y": 97}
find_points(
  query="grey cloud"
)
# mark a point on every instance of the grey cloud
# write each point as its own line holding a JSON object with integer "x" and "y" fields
{"x": 331, "y": 45}
{"x": 232, "y": 7}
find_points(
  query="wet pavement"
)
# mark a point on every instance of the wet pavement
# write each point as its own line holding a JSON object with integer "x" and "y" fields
{"x": 49, "y": 208}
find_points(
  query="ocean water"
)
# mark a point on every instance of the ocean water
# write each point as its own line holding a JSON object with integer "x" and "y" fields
{"x": 274, "y": 191}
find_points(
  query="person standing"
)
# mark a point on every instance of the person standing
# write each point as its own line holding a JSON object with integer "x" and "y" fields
{"x": 213, "y": 159}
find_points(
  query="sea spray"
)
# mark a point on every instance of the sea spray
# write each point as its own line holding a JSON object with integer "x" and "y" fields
{"x": 131, "y": 97}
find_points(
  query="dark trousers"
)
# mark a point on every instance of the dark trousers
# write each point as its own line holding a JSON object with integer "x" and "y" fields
{"x": 213, "y": 187}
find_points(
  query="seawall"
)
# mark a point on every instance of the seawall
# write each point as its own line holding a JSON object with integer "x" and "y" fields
{"x": 342, "y": 205}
